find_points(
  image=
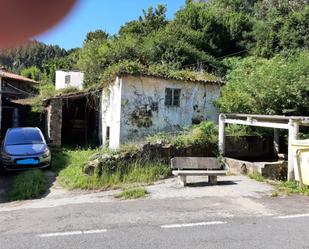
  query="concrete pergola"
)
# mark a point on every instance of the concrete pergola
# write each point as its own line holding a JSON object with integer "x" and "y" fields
{"x": 290, "y": 123}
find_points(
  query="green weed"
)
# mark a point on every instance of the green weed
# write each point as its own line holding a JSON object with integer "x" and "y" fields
{"x": 28, "y": 185}
{"x": 203, "y": 133}
{"x": 292, "y": 187}
{"x": 282, "y": 187}
{"x": 133, "y": 193}
{"x": 256, "y": 176}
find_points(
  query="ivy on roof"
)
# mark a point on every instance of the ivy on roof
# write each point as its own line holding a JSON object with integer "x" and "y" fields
{"x": 137, "y": 69}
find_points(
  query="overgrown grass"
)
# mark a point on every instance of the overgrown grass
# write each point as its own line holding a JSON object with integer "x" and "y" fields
{"x": 123, "y": 149}
{"x": 70, "y": 163}
{"x": 292, "y": 187}
{"x": 282, "y": 187}
{"x": 133, "y": 193}
{"x": 204, "y": 133}
{"x": 28, "y": 185}
{"x": 256, "y": 176}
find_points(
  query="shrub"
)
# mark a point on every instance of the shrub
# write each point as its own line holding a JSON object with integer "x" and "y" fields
{"x": 203, "y": 133}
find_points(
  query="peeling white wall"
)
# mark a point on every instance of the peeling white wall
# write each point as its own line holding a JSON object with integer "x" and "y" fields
{"x": 140, "y": 94}
{"x": 76, "y": 79}
{"x": 110, "y": 113}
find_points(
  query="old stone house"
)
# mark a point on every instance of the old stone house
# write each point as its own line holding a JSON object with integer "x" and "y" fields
{"x": 135, "y": 106}
{"x": 132, "y": 107}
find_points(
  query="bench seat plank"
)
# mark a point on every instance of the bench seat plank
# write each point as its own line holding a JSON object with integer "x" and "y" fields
{"x": 195, "y": 163}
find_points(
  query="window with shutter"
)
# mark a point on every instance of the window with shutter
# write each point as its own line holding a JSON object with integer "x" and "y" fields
{"x": 172, "y": 96}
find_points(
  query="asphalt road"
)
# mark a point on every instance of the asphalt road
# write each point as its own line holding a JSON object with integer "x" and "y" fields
{"x": 170, "y": 223}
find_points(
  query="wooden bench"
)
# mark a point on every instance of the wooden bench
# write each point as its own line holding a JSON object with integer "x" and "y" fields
{"x": 197, "y": 166}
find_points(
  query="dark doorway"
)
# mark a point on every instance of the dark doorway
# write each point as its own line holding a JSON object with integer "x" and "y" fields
{"x": 14, "y": 115}
{"x": 80, "y": 121}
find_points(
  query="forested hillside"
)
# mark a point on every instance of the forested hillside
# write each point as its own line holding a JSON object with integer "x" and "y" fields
{"x": 258, "y": 47}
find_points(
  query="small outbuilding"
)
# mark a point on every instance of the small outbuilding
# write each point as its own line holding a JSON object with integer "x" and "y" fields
{"x": 14, "y": 87}
{"x": 69, "y": 79}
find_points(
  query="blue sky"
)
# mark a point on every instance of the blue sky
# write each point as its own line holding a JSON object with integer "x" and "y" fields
{"x": 108, "y": 15}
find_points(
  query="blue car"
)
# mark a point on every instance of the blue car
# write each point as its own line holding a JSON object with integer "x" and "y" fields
{"x": 24, "y": 148}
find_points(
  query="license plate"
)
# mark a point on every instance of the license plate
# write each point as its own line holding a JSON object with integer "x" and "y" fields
{"x": 27, "y": 161}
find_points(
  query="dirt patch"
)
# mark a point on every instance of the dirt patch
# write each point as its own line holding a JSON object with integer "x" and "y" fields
{"x": 54, "y": 189}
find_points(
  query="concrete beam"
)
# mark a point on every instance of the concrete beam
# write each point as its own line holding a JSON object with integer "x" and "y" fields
{"x": 257, "y": 123}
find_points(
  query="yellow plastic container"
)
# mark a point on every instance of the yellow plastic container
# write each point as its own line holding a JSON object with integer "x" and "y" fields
{"x": 302, "y": 148}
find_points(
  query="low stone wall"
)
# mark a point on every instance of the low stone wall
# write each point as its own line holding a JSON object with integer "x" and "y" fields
{"x": 100, "y": 163}
{"x": 274, "y": 170}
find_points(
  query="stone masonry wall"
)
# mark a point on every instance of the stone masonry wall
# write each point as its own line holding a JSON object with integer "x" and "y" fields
{"x": 54, "y": 122}
{"x": 99, "y": 162}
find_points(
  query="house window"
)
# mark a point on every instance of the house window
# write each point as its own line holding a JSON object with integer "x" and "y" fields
{"x": 172, "y": 97}
{"x": 67, "y": 79}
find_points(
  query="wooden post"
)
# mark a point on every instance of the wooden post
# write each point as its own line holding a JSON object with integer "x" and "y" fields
{"x": 293, "y": 135}
{"x": 276, "y": 142}
{"x": 221, "y": 134}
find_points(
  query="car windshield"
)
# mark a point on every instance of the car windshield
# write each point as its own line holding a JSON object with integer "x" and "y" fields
{"x": 24, "y": 136}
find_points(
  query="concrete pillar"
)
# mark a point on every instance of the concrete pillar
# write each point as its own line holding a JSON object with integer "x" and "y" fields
{"x": 182, "y": 180}
{"x": 293, "y": 135}
{"x": 276, "y": 142}
{"x": 221, "y": 144}
{"x": 212, "y": 180}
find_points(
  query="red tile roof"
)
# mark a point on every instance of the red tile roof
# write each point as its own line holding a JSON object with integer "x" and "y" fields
{"x": 9, "y": 75}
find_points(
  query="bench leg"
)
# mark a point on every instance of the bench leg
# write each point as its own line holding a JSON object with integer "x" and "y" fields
{"x": 212, "y": 180}
{"x": 182, "y": 180}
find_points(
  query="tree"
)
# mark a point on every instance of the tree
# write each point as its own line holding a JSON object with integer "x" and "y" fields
{"x": 267, "y": 86}
{"x": 92, "y": 58}
{"x": 152, "y": 20}
{"x": 33, "y": 73}
{"x": 30, "y": 54}
{"x": 218, "y": 27}
{"x": 295, "y": 31}
{"x": 67, "y": 62}
{"x": 279, "y": 25}
{"x": 96, "y": 35}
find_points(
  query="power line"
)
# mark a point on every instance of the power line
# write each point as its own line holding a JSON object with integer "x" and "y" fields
{"x": 201, "y": 62}
{"x": 240, "y": 52}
